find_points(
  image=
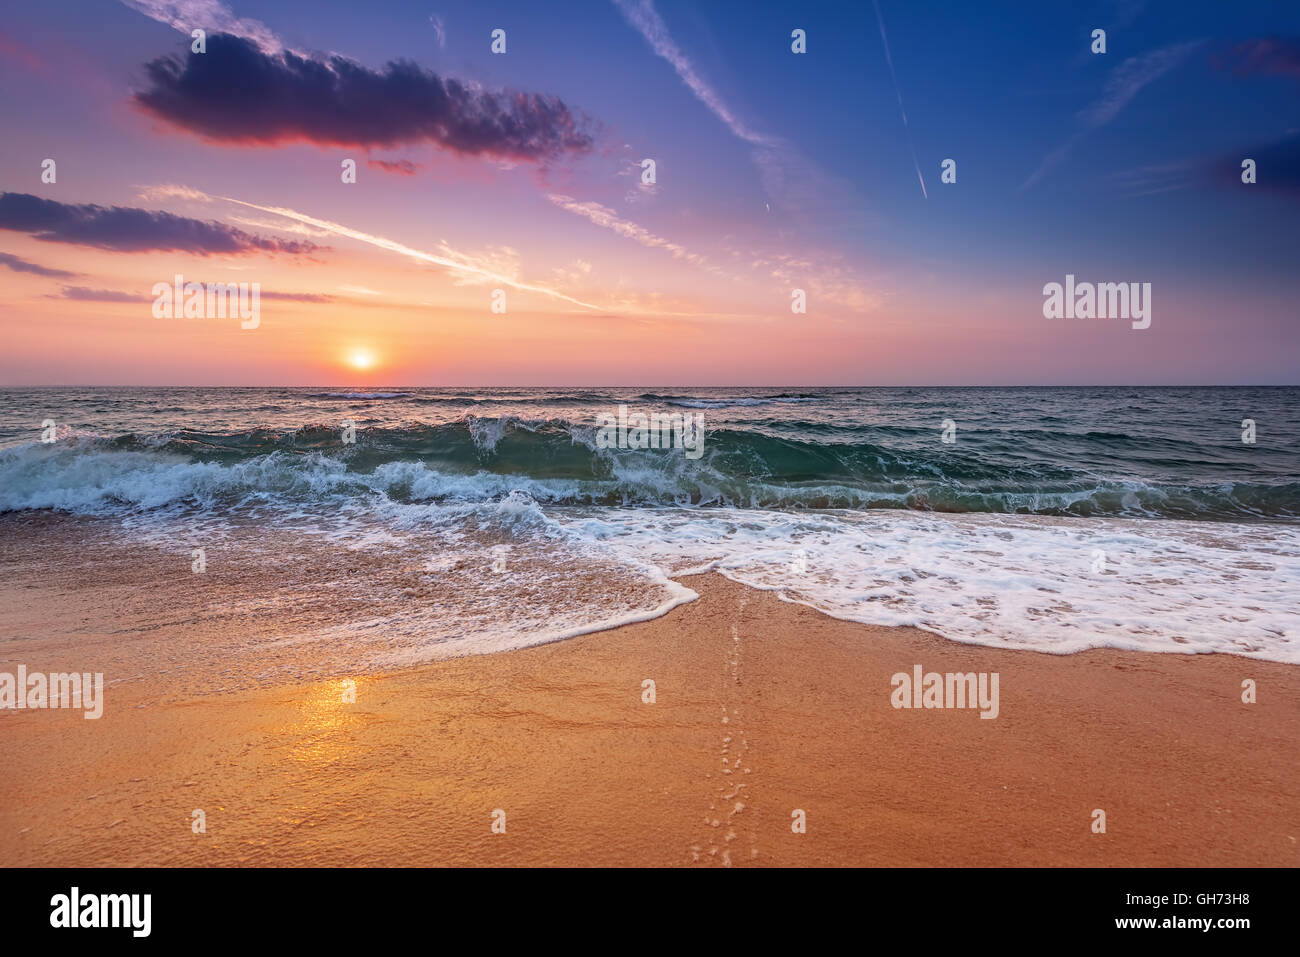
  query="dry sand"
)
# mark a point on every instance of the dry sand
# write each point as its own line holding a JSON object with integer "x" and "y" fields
{"x": 792, "y": 713}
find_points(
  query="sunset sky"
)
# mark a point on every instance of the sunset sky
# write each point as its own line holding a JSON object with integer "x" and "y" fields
{"x": 522, "y": 171}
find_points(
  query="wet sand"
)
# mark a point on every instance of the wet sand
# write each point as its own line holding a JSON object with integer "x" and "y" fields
{"x": 761, "y": 708}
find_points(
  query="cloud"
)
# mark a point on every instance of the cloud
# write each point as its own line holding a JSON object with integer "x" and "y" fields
{"x": 789, "y": 178}
{"x": 642, "y": 15}
{"x": 826, "y": 280}
{"x": 12, "y": 50}
{"x": 466, "y": 268}
{"x": 1270, "y": 56}
{"x": 1277, "y": 167}
{"x": 1157, "y": 178}
{"x": 210, "y": 15}
{"x": 127, "y": 229}
{"x": 439, "y": 29}
{"x": 606, "y": 217}
{"x": 1277, "y": 170}
{"x": 239, "y": 94}
{"x": 164, "y": 191}
{"x": 399, "y": 167}
{"x": 1125, "y": 82}
{"x": 297, "y": 229}
{"x": 82, "y": 294}
{"x": 1128, "y": 79}
{"x": 297, "y": 296}
{"x": 22, "y": 265}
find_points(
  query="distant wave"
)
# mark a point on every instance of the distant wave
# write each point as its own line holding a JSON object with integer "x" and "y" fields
{"x": 576, "y": 398}
{"x": 464, "y": 399}
{"x": 691, "y": 402}
{"x": 359, "y": 395}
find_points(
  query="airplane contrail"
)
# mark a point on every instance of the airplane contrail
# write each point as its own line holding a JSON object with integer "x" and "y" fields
{"x": 898, "y": 93}
{"x": 339, "y": 229}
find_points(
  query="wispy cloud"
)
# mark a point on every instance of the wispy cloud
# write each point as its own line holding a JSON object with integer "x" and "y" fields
{"x": 209, "y": 15}
{"x": 132, "y": 230}
{"x": 789, "y": 178}
{"x": 642, "y": 15}
{"x": 1126, "y": 81}
{"x": 605, "y": 217}
{"x": 22, "y": 265}
{"x": 458, "y": 263}
{"x": 399, "y": 167}
{"x": 297, "y": 229}
{"x": 1269, "y": 56}
{"x": 826, "y": 280}
{"x": 14, "y": 51}
{"x": 439, "y": 30}
{"x": 166, "y": 191}
{"x": 297, "y": 296}
{"x": 1156, "y": 178}
{"x": 82, "y": 294}
{"x": 1277, "y": 166}
{"x": 640, "y": 192}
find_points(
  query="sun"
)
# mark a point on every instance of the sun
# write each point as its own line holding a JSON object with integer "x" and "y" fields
{"x": 361, "y": 359}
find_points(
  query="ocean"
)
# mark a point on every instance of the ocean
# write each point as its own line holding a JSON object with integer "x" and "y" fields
{"x": 474, "y": 520}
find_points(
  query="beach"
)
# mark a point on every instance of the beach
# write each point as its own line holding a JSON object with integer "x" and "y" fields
{"x": 761, "y": 708}
{"x": 471, "y": 633}
{"x": 652, "y": 435}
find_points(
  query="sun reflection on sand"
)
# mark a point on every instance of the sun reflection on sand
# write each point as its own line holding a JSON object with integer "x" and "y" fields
{"x": 324, "y": 735}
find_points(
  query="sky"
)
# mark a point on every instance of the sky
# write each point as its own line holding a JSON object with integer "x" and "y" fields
{"x": 517, "y": 179}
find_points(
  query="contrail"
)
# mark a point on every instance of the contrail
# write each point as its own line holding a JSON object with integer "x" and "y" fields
{"x": 339, "y": 229}
{"x": 898, "y": 93}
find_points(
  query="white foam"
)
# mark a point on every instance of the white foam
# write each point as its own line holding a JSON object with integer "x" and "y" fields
{"x": 1005, "y": 581}
{"x": 1002, "y": 580}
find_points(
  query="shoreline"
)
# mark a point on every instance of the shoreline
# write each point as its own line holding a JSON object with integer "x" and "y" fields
{"x": 558, "y": 736}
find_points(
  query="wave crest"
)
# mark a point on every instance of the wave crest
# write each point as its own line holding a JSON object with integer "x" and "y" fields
{"x": 476, "y": 459}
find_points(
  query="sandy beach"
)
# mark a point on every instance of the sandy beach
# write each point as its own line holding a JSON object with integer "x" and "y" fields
{"x": 648, "y": 434}
{"x": 761, "y": 708}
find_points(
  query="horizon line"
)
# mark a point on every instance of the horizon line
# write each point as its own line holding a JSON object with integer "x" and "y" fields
{"x": 661, "y": 385}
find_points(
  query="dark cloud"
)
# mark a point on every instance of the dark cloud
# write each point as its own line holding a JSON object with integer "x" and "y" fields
{"x": 126, "y": 229}
{"x": 22, "y": 265}
{"x": 1276, "y": 56}
{"x": 236, "y": 93}
{"x": 1277, "y": 167}
{"x": 82, "y": 294}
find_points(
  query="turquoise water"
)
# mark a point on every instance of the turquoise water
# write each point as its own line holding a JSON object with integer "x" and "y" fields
{"x": 1150, "y": 452}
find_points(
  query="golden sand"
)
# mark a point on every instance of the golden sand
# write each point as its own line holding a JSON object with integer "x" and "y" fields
{"x": 761, "y": 708}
